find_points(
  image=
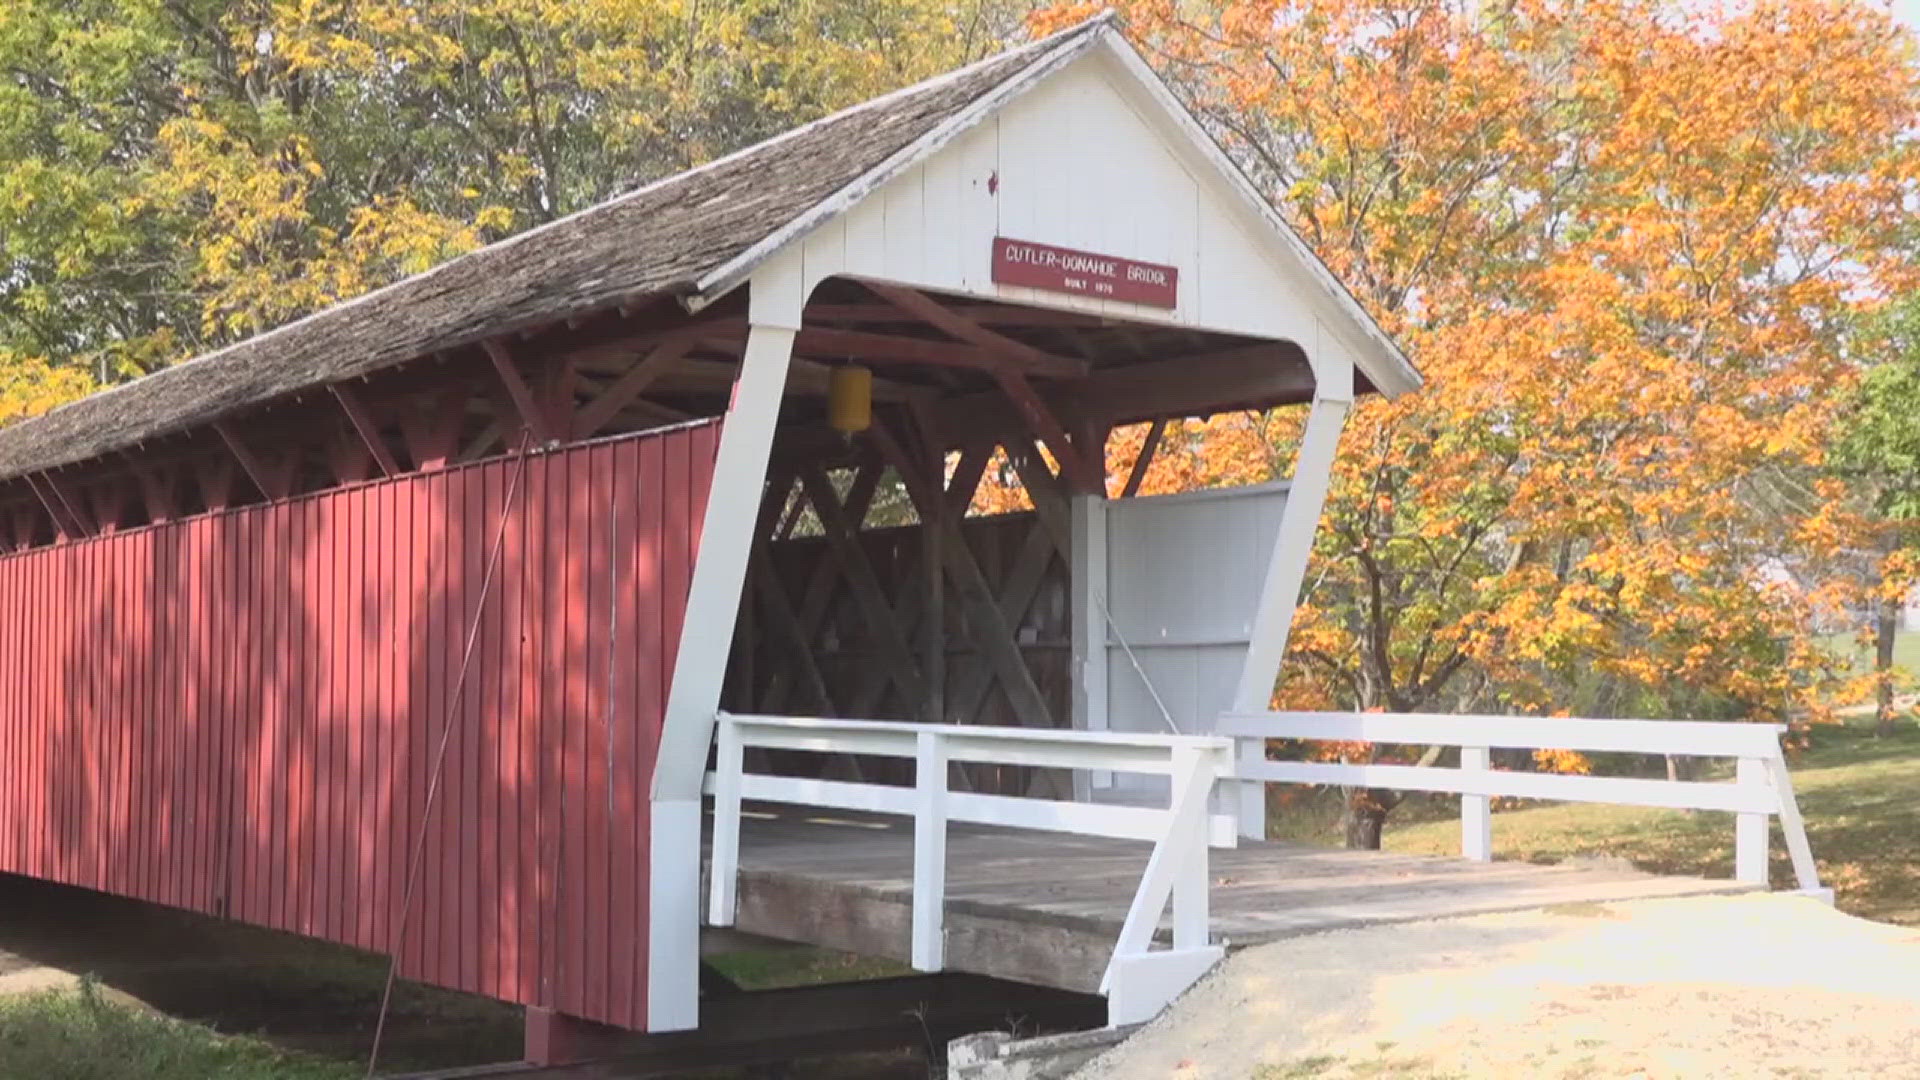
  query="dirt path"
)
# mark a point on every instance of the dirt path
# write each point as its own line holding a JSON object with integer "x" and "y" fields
{"x": 1764, "y": 985}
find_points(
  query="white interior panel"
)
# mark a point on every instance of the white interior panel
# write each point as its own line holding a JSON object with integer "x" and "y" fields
{"x": 1183, "y": 575}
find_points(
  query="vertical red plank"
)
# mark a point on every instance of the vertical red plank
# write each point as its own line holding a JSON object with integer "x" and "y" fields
{"x": 298, "y": 733}
{"x": 420, "y": 711}
{"x": 406, "y": 711}
{"x": 354, "y": 750}
{"x": 276, "y": 783}
{"x": 620, "y": 733}
{"x": 117, "y": 705}
{"x": 233, "y": 621}
{"x": 225, "y": 629}
{"x": 341, "y": 723}
{"x": 326, "y": 883}
{"x": 440, "y": 581}
{"x": 572, "y": 562}
{"x": 527, "y": 616}
{"x": 553, "y": 542}
{"x": 464, "y": 763}
{"x": 372, "y": 645}
{"x": 599, "y": 721}
{"x": 380, "y": 632}
{"x": 651, "y": 664}
{"x": 486, "y": 674}
{"x": 9, "y": 713}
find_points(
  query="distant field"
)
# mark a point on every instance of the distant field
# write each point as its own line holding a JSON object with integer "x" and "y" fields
{"x": 1906, "y": 650}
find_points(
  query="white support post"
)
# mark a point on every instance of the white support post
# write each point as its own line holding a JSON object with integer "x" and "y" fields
{"x": 1476, "y": 811}
{"x": 1253, "y": 793}
{"x": 1794, "y": 830}
{"x": 1089, "y": 630}
{"x": 929, "y": 853}
{"x": 1287, "y": 569}
{"x": 1191, "y": 912}
{"x": 723, "y": 870}
{"x": 1750, "y": 830}
{"x": 713, "y": 604}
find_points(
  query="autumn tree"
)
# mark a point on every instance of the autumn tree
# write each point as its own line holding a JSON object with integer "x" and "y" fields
{"x": 1622, "y": 240}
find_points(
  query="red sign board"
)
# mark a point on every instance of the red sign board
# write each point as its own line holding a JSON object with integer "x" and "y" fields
{"x": 1109, "y": 277}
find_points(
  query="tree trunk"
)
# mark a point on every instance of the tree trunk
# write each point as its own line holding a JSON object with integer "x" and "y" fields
{"x": 1886, "y": 625}
{"x": 1363, "y": 818}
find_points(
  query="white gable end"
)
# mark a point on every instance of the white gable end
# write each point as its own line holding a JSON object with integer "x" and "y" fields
{"x": 1087, "y": 161}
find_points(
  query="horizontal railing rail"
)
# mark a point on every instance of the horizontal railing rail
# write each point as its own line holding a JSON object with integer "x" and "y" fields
{"x": 1139, "y": 978}
{"x": 1761, "y": 786}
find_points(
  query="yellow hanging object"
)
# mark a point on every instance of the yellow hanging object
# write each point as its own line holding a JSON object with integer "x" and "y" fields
{"x": 850, "y": 399}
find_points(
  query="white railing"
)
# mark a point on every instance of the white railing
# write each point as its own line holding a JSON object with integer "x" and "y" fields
{"x": 1139, "y": 979}
{"x": 1760, "y": 786}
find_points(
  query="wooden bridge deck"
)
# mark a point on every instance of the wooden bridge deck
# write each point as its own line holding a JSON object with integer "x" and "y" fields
{"x": 1045, "y": 908}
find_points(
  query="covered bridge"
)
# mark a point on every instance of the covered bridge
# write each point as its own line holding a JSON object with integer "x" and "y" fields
{"x": 529, "y": 522}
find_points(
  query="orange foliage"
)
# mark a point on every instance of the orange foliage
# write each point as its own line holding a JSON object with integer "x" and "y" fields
{"x": 1621, "y": 239}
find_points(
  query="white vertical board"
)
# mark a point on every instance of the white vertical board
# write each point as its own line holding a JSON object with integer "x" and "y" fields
{"x": 1181, "y": 591}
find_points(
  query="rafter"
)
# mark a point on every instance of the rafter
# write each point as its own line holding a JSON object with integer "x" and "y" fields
{"x": 432, "y": 434}
{"x": 631, "y": 384}
{"x": 532, "y": 416}
{"x": 156, "y": 490}
{"x": 272, "y": 478}
{"x": 1081, "y": 475}
{"x": 215, "y": 477}
{"x": 1148, "y": 447}
{"x": 948, "y": 321}
{"x": 363, "y": 425}
{"x": 986, "y": 315}
{"x": 870, "y": 347}
{"x": 66, "y": 522}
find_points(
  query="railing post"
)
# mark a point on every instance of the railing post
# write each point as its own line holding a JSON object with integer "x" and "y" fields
{"x": 929, "y": 853}
{"x": 1476, "y": 811}
{"x": 723, "y": 871}
{"x": 1190, "y": 910}
{"x": 1253, "y": 793}
{"x": 1750, "y": 830}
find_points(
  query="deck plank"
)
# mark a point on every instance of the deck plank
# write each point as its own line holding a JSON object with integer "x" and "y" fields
{"x": 1045, "y": 907}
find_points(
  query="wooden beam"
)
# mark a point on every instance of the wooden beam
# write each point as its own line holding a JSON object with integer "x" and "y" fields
{"x": 348, "y": 456}
{"x": 273, "y": 480}
{"x": 1148, "y": 447}
{"x": 66, "y": 523}
{"x": 875, "y": 348}
{"x": 531, "y": 415}
{"x": 630, "y": 385}
{"x": 984, "y": 314}
{"x": 156, "y": 490}
{"x": 215, "y": 477}
{"x": 983, "y": 612}
{"x": 1082, "y": 476}
{"x": 945, "y": 319}
{"x": 432, "y": 434}
{"x": 369, "y": 432}
{"x": 1241, "y": 378}
{"x": 109, "y": 501}
{"x": 560, "y": 378}
{"x": 842, "y": 532}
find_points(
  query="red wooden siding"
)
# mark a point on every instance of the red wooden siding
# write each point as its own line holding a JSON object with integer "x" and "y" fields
{"x": 237, "y": 714}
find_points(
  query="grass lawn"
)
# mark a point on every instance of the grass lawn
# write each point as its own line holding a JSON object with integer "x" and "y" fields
{"x": 68, "y": 1035}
